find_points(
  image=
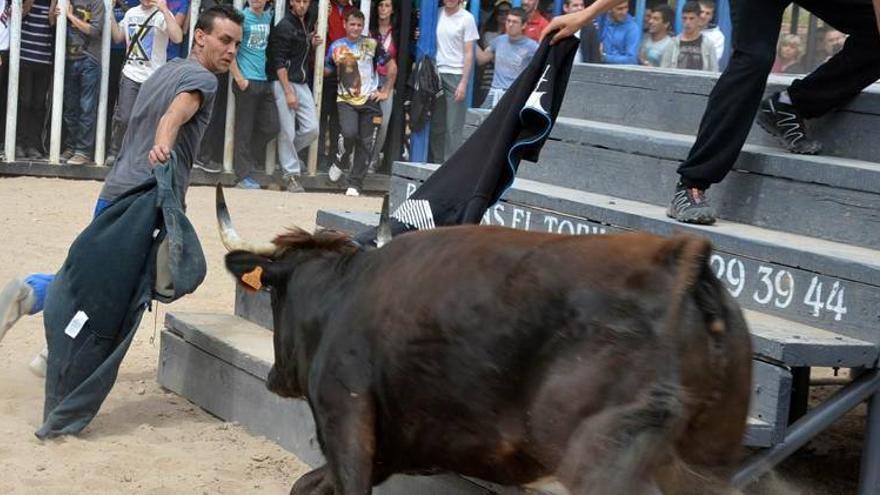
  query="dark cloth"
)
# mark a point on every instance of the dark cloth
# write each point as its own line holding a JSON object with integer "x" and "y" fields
{"x": 4, "y": 84}
{"x": 483, "y": 168}
{"x": 33, "y": 90}
{"x": 359, "y": 131}
{"x": 128, "y": 91}
{"x": 737, "y": 95}
{"x": 211, "y": 148}
{"x": 109, "y": 275}
{"x": 290, "y": 48}
{"x": 591, "y": 46}
{"x": 256, "y": 123}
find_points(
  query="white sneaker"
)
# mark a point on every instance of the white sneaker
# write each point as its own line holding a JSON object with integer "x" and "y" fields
{"x": 334, "y": 173}
{"x": 16, "y": 299}
{"x": 38, "y": 365}
{"x": 352, "y": 192}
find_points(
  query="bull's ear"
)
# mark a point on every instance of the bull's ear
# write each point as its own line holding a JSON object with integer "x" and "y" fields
{"x": 251, "y": 270}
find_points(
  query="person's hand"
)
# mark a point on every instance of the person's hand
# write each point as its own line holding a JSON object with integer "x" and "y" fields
{"x": 70, "y": 13}
{"x": 242, "y": 84}
{"x": 317, "y": 39}
{"x": 162, "y": 5}
{"x": 292, "y": 102}
{"x": 381, "y": 96}
{"x": 159, "y": 154}
{"x": 565, "y": 26}
{"x": 460, "y": 92}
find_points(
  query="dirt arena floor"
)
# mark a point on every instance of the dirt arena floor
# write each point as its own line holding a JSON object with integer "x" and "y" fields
{"x": 148, "y": 440}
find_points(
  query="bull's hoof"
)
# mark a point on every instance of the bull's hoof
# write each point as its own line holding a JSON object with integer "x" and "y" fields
{"x": 313, "y": 483}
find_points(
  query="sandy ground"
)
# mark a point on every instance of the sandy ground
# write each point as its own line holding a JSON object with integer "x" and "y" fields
{"x": 148, "y": 440}
{"x": 145, "y": 439}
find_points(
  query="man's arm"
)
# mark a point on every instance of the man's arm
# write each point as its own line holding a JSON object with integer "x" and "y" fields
{"x": 53, "y": 12}
{"x": 174, "y": 30}
{"x": 26, "y": 7}
{"x": 484, "y": 56}
{"x": 568, "y": 24}
{"x": 181, "y": 110}
{"x": 461, "y": 90}
{"x": 238, "y": 77}
{"x": 116, "y": 31}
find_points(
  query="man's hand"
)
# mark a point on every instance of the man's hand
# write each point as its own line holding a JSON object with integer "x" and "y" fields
{"x": 565, "y": 26}
{"x": 159, "y": 154}
{"x": 292, "y": 102}
{"x": 242, "y": 84}
{"x": 382, "y": 96}
{"x": 461, "y": 91}
{"x": 317, "y": 39}
{"x": 70, "y": 14}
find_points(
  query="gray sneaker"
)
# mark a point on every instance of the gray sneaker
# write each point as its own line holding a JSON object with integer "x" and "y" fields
{"x": 689, "y": 205}
{"x": 79, "y": 159}
{"x": 293, "y": 185}
{"x": 16, "y": 300}
{"x": 782, "y": 121}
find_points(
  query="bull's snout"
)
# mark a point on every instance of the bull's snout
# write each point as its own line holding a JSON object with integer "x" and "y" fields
{"x": 273, "y": 382}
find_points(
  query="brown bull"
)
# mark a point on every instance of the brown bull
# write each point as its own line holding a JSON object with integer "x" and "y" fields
{"x": 603, "y": 365}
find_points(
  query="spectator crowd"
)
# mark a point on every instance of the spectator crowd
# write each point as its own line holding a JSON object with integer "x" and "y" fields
{"x": 271, "y": 79}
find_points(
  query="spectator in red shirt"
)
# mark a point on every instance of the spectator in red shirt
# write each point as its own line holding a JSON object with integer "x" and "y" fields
{"x": 536, "y": 22}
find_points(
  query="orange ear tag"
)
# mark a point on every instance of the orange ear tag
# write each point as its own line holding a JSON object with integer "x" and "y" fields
{"x": 253, "y": 278}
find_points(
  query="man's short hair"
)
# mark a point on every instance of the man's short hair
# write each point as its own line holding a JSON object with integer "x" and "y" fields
{"x": 709, "y": 4}
{"x": 692, "y": 7}
{"x": 666, "y": 13}
{"x": 355, "y": 13}
{"x": 206, "y": 18}
{"x": 518, "y": 12}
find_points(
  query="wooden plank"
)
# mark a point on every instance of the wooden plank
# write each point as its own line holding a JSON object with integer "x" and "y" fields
{"x": 771, "y": 395}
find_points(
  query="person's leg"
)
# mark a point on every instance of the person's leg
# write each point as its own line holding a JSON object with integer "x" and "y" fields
{"x": 730, "y": 110}
{"x": 70, "y": 115}
{"x": 367, "y": 132}
{"x": 386, "y": 107}
{"x": 848, "y": 72}
{"x": 287, "y": 132}
{"x": 348, "y": 123}
{"x": 245, "y": 114}
{"x": 306, "y": 118}
{"x": 266, "y": 125}
{"x": 128, "y": 91}
{"x": 27, "y": 87}
{"x": 455, "y": 115}
{"x": 438, "y": 136}
{"x": 91, "y": 80}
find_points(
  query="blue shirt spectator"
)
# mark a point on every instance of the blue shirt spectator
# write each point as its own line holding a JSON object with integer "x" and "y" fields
{"x": 179, "y": 8}
{"x": 620, "y": 35}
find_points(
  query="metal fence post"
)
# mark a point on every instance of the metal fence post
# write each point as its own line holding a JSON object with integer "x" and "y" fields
{"x": 321, "y": 49}
{"x": 12, "y": 95}
{"x": 101, "y": 130}
{"x": 229, "y": 131}
{"x": 58, "y": 82}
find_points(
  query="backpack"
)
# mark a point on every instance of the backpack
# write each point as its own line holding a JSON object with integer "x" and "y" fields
{"x": 424, "y": 89}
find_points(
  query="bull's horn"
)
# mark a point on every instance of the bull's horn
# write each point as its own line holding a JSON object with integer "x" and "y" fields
{"x": 383, "y": 235}
{"x": 231, "y": 240}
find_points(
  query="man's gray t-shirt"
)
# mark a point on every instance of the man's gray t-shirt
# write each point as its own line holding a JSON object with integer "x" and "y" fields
{"x": 132, "y": 166}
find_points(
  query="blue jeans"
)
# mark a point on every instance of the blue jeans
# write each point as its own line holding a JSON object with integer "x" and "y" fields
{"x": 81, "y": 83}
{"x": 40, "y": 281}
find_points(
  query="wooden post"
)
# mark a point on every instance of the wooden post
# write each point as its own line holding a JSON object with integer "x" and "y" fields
{"x": 229, "y": 131}
{"x": 58, "y": 83}
{"x": 321, "y": 28}
{"x": 14, "y": 65}
{"x": 194, "y": 7}
{"x": 101, "y": 128}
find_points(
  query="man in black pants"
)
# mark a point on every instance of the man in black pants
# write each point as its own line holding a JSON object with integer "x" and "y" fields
{"x": 736, "y": 98}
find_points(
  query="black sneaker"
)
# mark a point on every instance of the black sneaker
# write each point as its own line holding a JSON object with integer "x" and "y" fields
{"x": 782, "y": 121}
{"x": 293, "y": 185}
{"x": 689, "y": 205}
